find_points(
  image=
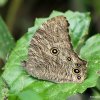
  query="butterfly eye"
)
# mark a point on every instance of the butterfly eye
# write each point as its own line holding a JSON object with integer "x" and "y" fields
{"x": 54, "y": 51}
{"x": 76, "y": 70}
{"x": 68, "y": 58}
{"x": 78, "y": 65}
{"x": 78, "y": 77}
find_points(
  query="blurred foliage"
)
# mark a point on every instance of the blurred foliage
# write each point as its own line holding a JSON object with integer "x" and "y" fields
{"x": 6, "y": 44}
{"x": 6, "y": 41}
{"x": 20, "y": 14}
{"x": 3, "y": 2}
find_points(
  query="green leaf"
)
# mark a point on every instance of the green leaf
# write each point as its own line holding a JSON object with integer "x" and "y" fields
{"x": 91, "y": 53}
{"x": 29, "y": 94}
{"x": 6, "y": 41}
{"x": 3, "y": 89}
{"x": 19, "y": 80}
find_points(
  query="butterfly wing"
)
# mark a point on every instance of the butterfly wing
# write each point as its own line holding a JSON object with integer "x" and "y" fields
{"x": 51, "y": 56}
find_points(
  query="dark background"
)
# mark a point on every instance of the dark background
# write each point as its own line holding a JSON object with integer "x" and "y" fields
{"x": 19, "y": 15}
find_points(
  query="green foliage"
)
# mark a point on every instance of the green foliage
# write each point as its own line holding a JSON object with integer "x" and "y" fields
{"x": 21, "y": 84}
{"x": 3, "y": 2}
{"x": 3, "y": 89}
{"x": 6, "y": 44}
{"x": 6, "y": 41}
{"x": 91, "y": 52}
{"x": 29, "y": 94}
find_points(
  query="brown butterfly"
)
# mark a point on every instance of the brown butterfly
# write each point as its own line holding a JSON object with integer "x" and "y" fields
{"x": 51, "y": 56}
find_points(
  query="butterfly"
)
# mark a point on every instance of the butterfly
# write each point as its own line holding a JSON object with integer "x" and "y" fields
{"x": 51, "y": 56}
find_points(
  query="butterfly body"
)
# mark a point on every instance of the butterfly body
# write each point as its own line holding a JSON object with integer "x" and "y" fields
{"x": 51, "y": 55}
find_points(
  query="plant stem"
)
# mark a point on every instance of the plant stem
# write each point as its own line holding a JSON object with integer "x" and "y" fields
{"x": 12, "y": 12}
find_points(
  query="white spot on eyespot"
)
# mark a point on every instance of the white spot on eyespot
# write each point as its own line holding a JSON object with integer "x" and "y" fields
{"x": 31, "y": 69}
